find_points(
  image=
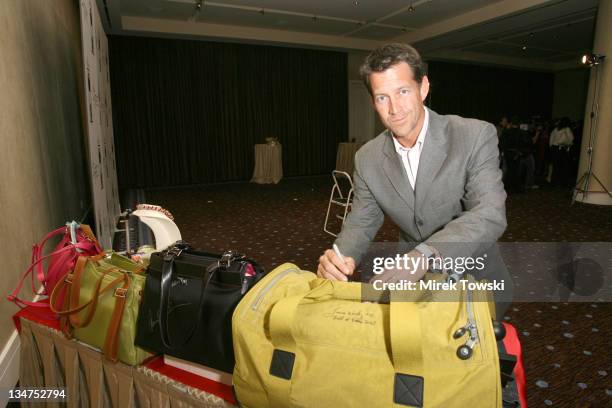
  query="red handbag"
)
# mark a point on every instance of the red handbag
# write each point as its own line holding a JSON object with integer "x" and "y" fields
{"x": 76, "y": 239}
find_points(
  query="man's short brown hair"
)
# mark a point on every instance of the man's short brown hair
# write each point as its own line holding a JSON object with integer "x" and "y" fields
{"x": 388, "y": 55}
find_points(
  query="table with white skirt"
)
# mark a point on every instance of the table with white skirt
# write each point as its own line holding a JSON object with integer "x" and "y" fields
{"x": 268, "y": 164}
{"x": 49, "y": 360}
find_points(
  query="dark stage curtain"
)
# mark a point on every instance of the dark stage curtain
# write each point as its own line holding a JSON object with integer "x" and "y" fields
{"x": 190, "y": 112}
{"x": 488, "y": 93}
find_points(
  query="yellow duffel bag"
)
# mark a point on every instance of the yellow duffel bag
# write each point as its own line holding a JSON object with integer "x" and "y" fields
{"x": 301, "y": 341}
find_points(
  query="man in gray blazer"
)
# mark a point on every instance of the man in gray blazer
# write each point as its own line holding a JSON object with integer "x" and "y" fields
{"x": 436, "y": 177}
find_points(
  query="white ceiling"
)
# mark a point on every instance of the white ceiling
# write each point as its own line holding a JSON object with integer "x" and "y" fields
{"x": 537, "y": 34}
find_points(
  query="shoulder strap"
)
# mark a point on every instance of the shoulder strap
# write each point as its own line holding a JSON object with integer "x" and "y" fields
{"x": 14, "y": 296}
{"x": 111, "y": 343}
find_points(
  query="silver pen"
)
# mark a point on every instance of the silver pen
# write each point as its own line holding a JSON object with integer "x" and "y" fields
{"x": 339, "y": 255}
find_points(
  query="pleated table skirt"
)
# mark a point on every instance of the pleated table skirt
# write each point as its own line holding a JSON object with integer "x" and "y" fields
{"x": 49, "y": 360}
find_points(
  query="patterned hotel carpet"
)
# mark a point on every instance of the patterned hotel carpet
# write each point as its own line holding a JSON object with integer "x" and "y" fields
{"x": 567, "y": 354}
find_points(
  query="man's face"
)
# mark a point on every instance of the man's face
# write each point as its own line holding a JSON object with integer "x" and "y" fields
{"x": 504, "y": 123}
{"x": 398, "y": 99}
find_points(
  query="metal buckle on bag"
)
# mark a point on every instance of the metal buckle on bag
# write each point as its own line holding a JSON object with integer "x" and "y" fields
{"x": 120, "y": 292}
{"x": 228, "y": 257}
{"x": 182, "y": 245}
{"x": 68, "y": 278}
{"x": 453, "y": 277}
{"x": 175, "y": 250}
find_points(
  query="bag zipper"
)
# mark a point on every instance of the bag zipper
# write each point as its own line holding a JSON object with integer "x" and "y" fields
{"x": 269, "y": 286}
{"x": 498, "y": 396}
{"x": 205, "y": 260}
{"x": 198, "y": 258}
{"x": 471, "y": 327}
{"x": 481, "y": 333}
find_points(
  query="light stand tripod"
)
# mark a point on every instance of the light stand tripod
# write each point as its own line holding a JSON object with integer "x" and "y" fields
{"x": 582, "y": 186}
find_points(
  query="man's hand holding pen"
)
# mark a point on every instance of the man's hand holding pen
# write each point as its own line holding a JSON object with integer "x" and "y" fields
{"x": 334, "y": 266}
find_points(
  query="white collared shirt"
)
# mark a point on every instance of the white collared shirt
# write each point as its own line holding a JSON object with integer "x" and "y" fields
{"x": 410, "y": 157}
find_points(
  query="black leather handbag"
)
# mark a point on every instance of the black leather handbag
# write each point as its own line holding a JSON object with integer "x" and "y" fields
{"x": 188, "y": 303}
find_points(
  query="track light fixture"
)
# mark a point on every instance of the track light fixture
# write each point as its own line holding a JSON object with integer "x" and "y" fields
{"x": 592, "y": 59}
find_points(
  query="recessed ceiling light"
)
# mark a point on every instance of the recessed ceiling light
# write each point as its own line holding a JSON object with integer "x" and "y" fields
{"x": 531, "y": 34}
{"x": 524, "y": 47}
{"x": 356, "y": 3}
{"x": 411, "y": 8}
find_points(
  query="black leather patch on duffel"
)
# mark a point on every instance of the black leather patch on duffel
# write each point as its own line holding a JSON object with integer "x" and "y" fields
{"x": 408, "y": 390}
{"x": 282, "y": 364}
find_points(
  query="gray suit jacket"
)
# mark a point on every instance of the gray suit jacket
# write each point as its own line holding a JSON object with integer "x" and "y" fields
{"x": 457, "y": 205}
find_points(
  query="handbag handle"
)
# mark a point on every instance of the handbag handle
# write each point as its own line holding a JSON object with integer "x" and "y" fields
{"x": 164, "y": 306}
{"x": 87, "y": 244}
{"x": 111, "y": 343}
{"x": 66, "y": 287}
{"x": 86, "y": 241}
{"x": 404, "y": 330}
{"x": 69, "y": 317}
{"x": 68, "y": 283}
{"x": 13, "y": 297}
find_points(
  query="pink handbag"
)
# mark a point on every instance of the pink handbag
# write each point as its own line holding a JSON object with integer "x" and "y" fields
{"x": 77, "y": 239}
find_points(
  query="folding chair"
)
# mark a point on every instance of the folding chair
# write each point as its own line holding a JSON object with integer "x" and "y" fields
{"x": 341, "y": 195}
